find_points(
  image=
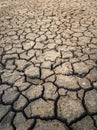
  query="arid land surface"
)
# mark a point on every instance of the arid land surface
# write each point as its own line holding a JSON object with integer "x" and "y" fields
{"x": 48, "y": 64}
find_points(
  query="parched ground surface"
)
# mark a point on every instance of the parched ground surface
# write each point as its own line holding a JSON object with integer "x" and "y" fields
{"x": 48, "y": 65}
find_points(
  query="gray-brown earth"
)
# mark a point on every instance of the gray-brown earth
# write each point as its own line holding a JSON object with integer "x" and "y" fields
{"x": 48, "y": 64}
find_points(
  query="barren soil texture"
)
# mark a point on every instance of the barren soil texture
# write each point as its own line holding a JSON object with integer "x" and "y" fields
{"x": 48, "y": 64}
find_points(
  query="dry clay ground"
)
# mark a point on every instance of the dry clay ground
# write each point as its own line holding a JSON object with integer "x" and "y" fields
{"x": 48, "y": 64}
